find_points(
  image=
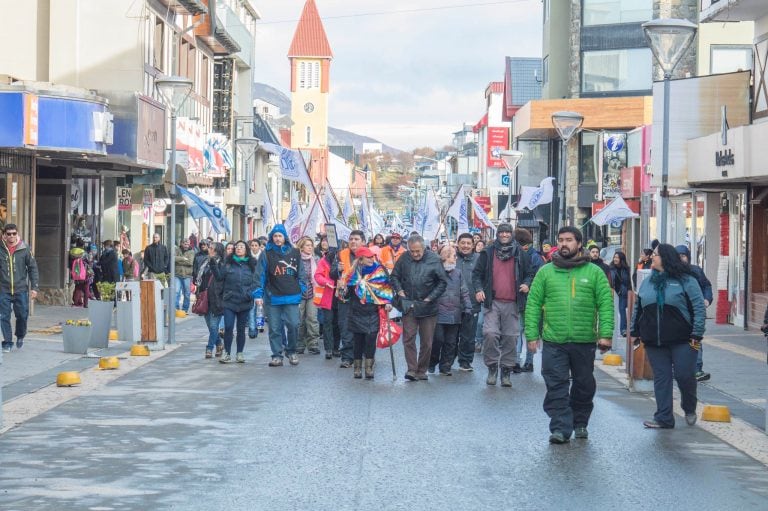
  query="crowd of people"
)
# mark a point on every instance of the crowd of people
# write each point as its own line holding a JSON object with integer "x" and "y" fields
{"x": 502, "y": 298}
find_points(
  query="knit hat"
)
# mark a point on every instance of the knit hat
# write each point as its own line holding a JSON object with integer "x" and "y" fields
{"x": 504, "y": 227}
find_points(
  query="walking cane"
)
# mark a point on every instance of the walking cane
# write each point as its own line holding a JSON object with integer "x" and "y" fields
{"x": 391, "y": 352}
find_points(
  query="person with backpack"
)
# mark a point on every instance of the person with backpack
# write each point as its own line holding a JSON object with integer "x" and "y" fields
{"x": 78, "y": 272}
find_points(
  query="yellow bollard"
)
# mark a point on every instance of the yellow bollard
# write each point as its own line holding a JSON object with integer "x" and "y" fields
{"x": 181, "y": 314}
{"x": 139, "y": 350}
{"x": 716, "y": 413}
{"x": 113, "y": 335}
{"x": 612, "y": 359}
{"x": 109, "y": 363}
{"x": 67, "y": 379}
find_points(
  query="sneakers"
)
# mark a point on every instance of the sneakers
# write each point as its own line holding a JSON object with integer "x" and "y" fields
{"x": 252, "y": 334}
{"x": 328, "y": 356}
{"x": 314, "y": 350}
{"x": 20, "y": 343}
{"x": 465, "y": 366}
{"x": 208, "y": 354}
{"x": 422, "y": 377}
{"x": 410, "y": 376}
{"x": 225, "y": 358}
{"x": 690, "y": 419}
{"x": 219, "y": 350}
{"x": 240, "y": 357}
{"x": 581, "y": 432}
{"x": 431, "y": 370}
{"x": 655, "y": 425}
{"x": 517, "y": 369}
{"x": 293, "y": 359}
{"x": 345, "y": 364}
{"x": 558, "y": 438}
{"x": 528, "y": 367}
{"x": 276, "y": 362}
{"x": 7, "y": 348}
{"x": 702, "y": 376}
{"x": 300, "y": 351}
{"x": 445, "y": 372}
{"x": 336, "y": 353}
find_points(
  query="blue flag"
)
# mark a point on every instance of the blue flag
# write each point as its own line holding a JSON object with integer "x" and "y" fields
{"x": 199, "y": 208}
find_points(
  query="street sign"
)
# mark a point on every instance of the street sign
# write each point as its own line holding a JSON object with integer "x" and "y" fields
{"x": 123, "y": 198}
{"x": 505, "y": 180}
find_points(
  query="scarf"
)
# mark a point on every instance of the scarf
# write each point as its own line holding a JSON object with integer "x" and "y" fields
{"x": 578, "y": 259}
{"x": 371, "y": 284}
{"x": 503, "y": 252}
{"x": 659, "y": 283}
{"x": 312, "y": 265}
{"x": 240, "y": 259}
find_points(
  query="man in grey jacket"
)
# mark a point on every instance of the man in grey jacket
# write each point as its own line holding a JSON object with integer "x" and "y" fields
{"x": 18, "y": 272}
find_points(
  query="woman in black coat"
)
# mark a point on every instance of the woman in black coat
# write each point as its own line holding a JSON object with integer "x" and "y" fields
{"x": 206, "y": 281}
{"x": 620, "y": 279}
{"x": 239, "y": 276}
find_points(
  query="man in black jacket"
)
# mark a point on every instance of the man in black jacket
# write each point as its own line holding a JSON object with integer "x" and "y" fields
{"x": 466, "y": 257}
{"x": 501, "y": 280}
{"x": 418, "y": 279}
{"x": 108, "y": 263}
{"x": 706, "y": 290}
{"x": 157, "y": 259}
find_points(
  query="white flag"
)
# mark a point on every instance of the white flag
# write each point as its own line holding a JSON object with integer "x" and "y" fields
{"x": 329, "y": 202}
{"x": 458, "y": 210}
{"x": 398, "y": 226}
{"x": 347, "y": 210}
{"x": 200, "y": 208}
{"x": 267, "y": 216}
{"x": 293, "y": 222}
{"x": 342, "y": 230}
{"x": 377, "y": 222}
{"x": 292, "y": 165}
{"x": 312, "y": 216}
{"x": 431, "y": 228}
{"x": 481, "y": 214}
{"x": 614, "y": 213}
{"x": 363, "y": 218}
{"x": 532, "y": 196}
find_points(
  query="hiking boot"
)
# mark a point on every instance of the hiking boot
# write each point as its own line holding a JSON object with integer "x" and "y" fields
{"x": 357, "y": 373}
{"x": 465, "y": 366}
{"x": 345, "y": 364}
{"x": 558, "y": 438}
{"x": 219, "y": 350}
{"x": 431, "y": 370}
{"x": 328, "y": 356}
{"x": 368, "y": 368}
{"x": 581, "y": 432}
{"x": 410, "y": 376}
{"x": 276, "y": 362}
{"x": 446, "y": 372}
{"x": 293, "y": 359}
{"x": 690, "y": 418}
{"x": 516, "y": 369}
{"x": 240, "y": 357}
{"x": 493, "y": 372}
{"x": 225, "y": 358}
{"x": 505, "y": 382}
{"x": 528, "y": 367}
{"x": 208, "y": 354}
{"x": 702, "y": 376}
{"x": 20, "y": 343}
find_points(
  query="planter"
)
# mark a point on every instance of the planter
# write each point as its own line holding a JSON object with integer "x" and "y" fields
{"x": 76, "y": 338}
{"x": 100, "y": 314}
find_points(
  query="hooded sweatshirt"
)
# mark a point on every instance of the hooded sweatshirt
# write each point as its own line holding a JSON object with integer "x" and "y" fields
{"x": 281, "y": 268}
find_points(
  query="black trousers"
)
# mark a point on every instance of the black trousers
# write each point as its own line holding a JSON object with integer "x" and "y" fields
{"x": 364, "y": 345}
{"x": 568, "y": 371}
{"x": 467, "y": 338}
{"x": 444, "y": 346}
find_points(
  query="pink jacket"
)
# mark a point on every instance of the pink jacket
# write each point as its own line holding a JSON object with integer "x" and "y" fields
{"x": 323, "y": 278}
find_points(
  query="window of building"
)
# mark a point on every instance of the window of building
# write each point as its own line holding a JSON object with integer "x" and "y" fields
{"x": 606, "y": 12}
{"x": 545, "y": 70}
{"x": 158, "y": 46}
{"x": 729, "y": 58}
{"x": 309, "y": 136}
{"x": 302, "y": 75}
{"x": 316, "y": 80}
{"x": 589, "y": 154}
{"x": 204, "y": 76}
{"x": 616, "y": 70}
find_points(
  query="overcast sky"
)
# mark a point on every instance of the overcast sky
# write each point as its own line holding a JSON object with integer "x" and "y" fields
{"x": 407, "y": 79}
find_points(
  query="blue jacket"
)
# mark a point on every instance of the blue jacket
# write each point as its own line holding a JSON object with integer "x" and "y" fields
{"x": 681, "y": 319}
{"x": 267, "y": 285}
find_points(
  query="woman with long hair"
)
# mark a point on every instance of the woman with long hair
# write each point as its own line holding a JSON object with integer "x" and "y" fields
{"x": 238, "y": 276}
{"x": 206, "y": 281}
{"x": 309, "y": 329}
{"x": 669, "y": 318}
{"x": 621, "y": 284}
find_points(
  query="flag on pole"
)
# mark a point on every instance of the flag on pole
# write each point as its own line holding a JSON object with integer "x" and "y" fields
{"x": 292, "y": 165}
{"x": 377, "y": 222}
{"x": 199, "y": 208}
{"x": 363, "y": 217}
{"x": 432, "y": 225}
{"x": 347, "y": 209}
{"x": 480, "y": 213}
{"x": 310, "y": 224}
{"x": 342, "y": 230}
{"x": 458, "y": 210}
{"x": 267, "y": 217}
{"x": 329, "y": 201}
{"x": 614, "y": 213}
{"x": 398, "y": 226}
{"x": 294, "y": 218}
{"x": 532, "y": 196}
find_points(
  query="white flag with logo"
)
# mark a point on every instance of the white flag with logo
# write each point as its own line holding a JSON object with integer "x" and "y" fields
{"x": 614, "y": 213}
{"x": 267, "y": 217}
{"x": 293, "y": 222}
{"x": 377, "y": 222}
{"x": 292, "y": 165}
{"x": 312, "y": 217}
{"x": 342, "y": 230}
{"x": 347, "y": 209}
{"x": 458, "y": 210}
{"x": 329, "y": 202}
{"x": 532, "y": 196}
{"x": 431, "y": 228}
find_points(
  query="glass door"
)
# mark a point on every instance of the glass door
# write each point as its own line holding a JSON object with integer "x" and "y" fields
{"x": 737, "y": 260}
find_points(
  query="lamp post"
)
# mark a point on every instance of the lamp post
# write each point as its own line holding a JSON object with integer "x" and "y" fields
{"x": 247, "y": 146}
{"x": 511, "y": 159}
{"x": 668, "y": 39}
{"x": 567, "y": 125}
{"x": 174, "y": 90}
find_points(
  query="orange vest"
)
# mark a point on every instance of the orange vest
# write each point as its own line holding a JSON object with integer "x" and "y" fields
{"x": 389, "y": 256}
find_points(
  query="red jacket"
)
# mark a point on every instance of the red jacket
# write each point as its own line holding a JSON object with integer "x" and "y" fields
{"x": 324, "y": 281}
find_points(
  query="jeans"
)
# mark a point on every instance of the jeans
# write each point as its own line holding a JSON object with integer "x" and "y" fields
{"x": 670, "y": 361}
{"x": 479, "y": 328}
{"x": 20, "y": 303}
{"x": 521, "y": 343}
{"x": 309, "y": 329}
{"x": 700, "y": 359}
{"x": 330, "y": 337}
{"x": 444, "y": 345}
{"x": 182, "y": 286}
{"x": 467, "y": 338}
{"x": 568, "y": 371}
{"x": 252, "y": 331}
{"x": 212, "y": 321}
{"x": 346, "y": 335}
{"x": 622, "y": 314}
{"x": 229, "y": 324}
{"x": 283, "y": 321}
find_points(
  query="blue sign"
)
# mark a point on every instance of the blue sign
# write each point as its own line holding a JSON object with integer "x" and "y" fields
{"x": 505, "y": 180}
{"x": 615, "y": 143}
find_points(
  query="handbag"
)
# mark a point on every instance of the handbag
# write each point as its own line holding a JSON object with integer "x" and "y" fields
{"x": 200, "y": 307}
{"x": 318, "y": 296}
{"x": 389, "y": 332}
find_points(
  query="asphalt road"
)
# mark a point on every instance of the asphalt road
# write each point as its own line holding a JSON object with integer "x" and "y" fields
{"x": 192, "y": 434}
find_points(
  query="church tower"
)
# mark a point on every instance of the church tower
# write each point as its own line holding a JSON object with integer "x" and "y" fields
{"x": 310, "y": 57}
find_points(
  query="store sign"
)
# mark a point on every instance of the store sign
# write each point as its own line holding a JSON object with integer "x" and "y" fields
{"x": 76, "y": 195}
{"x": 614, "y": 159}
{"x": 148, "y": 197}
{"x": 724, "y": 158}
{"x": 190, "y": 137}
{"x": 123, "y": 198}
{"x": 498, "y": 140}
{"x": 31, "y": 119}
{"x": 150, "y": 144}
{"x": 159, "y": 206}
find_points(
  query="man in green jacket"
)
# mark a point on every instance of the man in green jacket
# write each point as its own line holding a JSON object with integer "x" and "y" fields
{"x": 575, "y": 299}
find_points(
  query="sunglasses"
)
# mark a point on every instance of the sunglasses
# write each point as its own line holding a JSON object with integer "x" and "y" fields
{"x": 11, "y": 233}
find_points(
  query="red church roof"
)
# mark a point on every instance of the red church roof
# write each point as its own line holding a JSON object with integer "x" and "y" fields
{"x": 310, "y": 40}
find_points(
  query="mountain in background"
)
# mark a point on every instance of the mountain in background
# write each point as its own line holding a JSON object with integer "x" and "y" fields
{"x": 335, "y": 136}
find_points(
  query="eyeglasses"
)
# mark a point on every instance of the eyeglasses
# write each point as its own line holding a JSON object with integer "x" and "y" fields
{"x": 11, "y": 233}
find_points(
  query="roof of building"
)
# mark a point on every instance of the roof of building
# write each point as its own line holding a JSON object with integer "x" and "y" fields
{"x": 343, "y": 151}
{"x": 494, "y": 88}
{"x": 522, "y": 83}
{"x": 310, "y": 40}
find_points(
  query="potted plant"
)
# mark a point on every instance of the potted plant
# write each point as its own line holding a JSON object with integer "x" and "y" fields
{"x": 77, "y": 335}
{"x": 100, "y": 314}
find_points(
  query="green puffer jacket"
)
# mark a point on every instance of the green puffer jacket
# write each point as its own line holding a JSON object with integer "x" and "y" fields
{"x": 572, "y": 300}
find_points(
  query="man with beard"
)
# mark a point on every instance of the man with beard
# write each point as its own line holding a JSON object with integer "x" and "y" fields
{"x": 578, "y": 306}
{"x": 501, "y": 279}
{"x": 594, "y": 255}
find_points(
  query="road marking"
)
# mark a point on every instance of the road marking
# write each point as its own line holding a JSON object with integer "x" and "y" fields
{"x": 739, "y": 350}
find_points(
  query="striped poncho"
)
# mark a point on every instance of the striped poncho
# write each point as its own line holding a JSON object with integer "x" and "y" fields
{"x": 371, "y": 284}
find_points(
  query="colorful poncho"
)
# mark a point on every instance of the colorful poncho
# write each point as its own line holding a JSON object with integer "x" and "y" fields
{"x": 371, "y": 284}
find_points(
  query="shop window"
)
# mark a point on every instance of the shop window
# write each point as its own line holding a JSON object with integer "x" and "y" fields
{"x": 158, "y": 45}
{"x": 617, "y": 70}
{"x": 607, "y": 12}
{"x": 590, "y": 158}
{"x": 729, "y": 58}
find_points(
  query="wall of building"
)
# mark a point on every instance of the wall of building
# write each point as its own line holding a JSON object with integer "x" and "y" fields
{"x": 741, "y": 33}
{"x": 555, "y": 48}
{"x": 317, "y": 120}
{"x": 27, "y": 35}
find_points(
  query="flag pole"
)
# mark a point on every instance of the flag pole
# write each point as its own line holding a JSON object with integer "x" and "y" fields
{"x": 333, "y": 194}
{"x": 349, "y": 191}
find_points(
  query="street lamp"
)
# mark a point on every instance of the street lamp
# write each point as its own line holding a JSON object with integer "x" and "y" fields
{"x": 174, "y": 91}
{"x": 567, "y": 125}
{"x": 668, "y": 39}
{"x": 248, "y": 146}
{"x": 511, "y": 159}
